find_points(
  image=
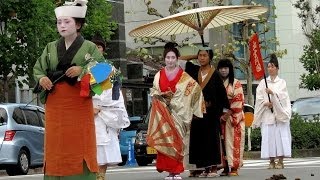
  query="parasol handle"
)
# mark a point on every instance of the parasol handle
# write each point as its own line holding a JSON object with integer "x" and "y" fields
{"x": 202, "y": 40}
{"x": 196, "y": 5}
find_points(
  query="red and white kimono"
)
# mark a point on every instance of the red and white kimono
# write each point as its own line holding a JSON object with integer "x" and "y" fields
{"x": 168, "y": 125}
{"x": 234, "y": 128}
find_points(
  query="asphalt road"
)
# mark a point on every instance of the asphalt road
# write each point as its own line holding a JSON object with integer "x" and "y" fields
{"x": 305, "y": 169}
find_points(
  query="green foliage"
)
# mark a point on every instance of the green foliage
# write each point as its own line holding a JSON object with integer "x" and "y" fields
{"x": 311, "y": 57}
{"x": 26, "y": 26}
{"x": 305, "y": 134}
{"x": 255, "y": 139}
{"x": 99, "y": 20}
{"x": 311, "y": 62}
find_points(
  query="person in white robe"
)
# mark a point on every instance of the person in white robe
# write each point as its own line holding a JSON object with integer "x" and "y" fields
{"x": 110, "y": 117}
{"x": 273, "y": 117}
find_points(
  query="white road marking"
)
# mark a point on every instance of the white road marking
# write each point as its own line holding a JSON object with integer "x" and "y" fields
{"x": 291, "y": 163}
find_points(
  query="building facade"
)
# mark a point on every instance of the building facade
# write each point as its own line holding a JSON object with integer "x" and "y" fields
{"x": 286, "y": 27}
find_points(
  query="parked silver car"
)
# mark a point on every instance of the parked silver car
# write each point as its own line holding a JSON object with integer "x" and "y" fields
{"x": 308, "y": 108}
{"x": 21, "y": 137}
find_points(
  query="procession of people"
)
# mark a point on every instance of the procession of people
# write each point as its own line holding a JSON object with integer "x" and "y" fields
{"x": 196, "y": 122}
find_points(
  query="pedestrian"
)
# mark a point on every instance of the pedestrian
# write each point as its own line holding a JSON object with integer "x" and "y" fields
{"x": 100, "y": 43}
{"x": 233, "y": 125}
{"x": 204, "y": 148}
{"x": 273, "y": 117}
{"x": 110, "y": 116}
{"x": 70, "y": 143}
{"x": 176, "y": 97}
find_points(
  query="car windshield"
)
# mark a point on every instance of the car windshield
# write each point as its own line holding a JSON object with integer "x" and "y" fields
{"x": 306, "y": 107}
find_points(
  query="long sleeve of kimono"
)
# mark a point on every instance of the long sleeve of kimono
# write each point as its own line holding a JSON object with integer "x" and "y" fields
{"x": 112, "y": 112}
{"x": 236, "y": 104}
{"x": 155, "y": 90}
{"x": 259, "y": 107}
{"x": 222, "y": 101}
{"x": 281, "y": 103}
{"x": 40, "y": 67}
{"x": 197, "y": 102}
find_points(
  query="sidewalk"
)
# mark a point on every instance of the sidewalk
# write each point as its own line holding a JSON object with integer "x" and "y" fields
{"x": 298, "y": 153}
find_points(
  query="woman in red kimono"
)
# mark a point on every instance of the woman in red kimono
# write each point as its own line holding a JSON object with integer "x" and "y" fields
{"x": 176, "y": 98}
{"x": 233, "y": 126}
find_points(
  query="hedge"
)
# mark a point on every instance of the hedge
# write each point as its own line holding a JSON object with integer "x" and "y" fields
{"x": 305, "y": 134}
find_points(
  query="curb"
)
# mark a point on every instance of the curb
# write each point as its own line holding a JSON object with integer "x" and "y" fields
{"x": 296, "y": 153}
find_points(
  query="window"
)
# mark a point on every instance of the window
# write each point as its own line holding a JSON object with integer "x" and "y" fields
{"x": 18, "y": 116}
{"x": 3, "y": 116}
{"x": 32, "y": 117}
{"x": 271, "y": 34}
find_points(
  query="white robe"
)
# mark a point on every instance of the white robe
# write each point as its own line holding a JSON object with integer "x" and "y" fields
{"x": 275, "y": 126}
{"x": 111, "y": 118}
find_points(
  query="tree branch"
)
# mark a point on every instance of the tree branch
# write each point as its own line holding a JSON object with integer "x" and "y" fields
{"x": 152, "y": 11}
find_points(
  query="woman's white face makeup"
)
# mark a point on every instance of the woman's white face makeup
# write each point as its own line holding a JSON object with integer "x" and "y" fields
{"x": 67, "y": 26}
{"x": 171, "y": 60}
{"x": 224, "y": 71}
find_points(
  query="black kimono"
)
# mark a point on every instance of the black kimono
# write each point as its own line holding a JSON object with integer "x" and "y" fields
{"x": 204, "y": 147}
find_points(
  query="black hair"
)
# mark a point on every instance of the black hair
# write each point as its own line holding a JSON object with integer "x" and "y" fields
{"x": 227, "y": 63}
{"x": 209, "y": 51}
{"x": 98, "y": 40}
{"x": 81, "y": 22}
{"x": 274, "y": 60}
{"x": 171, "y": 46}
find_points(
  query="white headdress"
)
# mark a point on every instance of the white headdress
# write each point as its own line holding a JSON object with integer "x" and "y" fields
{"x": 72, "y": 9}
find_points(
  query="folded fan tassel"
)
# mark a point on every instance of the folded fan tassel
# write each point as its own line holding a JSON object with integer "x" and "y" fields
{"x": 85, "y": 86}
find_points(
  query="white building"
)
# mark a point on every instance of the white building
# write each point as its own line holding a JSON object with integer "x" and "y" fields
{"x": 287, "y": 29}
{"x": 290, "y": 35}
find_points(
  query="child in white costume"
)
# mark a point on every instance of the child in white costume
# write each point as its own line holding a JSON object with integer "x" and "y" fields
{"x": 275, "y": 126}
{"x": 110, "y": 117}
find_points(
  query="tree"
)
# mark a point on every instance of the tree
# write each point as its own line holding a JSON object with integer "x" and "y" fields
{"x": 310, "y": 59}
{"x": 26, "y": 26}
{"x": 99, "y": 20}
{"x": 226, "y": 50}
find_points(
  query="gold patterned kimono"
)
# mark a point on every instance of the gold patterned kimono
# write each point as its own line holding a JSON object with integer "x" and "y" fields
{"x": 234, "y": 127}
{"x": 169, "y": 125}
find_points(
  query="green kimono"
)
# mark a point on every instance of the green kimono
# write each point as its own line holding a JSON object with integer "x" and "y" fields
{"x": 49, "y": 60}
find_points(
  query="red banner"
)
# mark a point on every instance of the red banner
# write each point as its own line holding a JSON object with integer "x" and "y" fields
{"x": 256, "y": 57}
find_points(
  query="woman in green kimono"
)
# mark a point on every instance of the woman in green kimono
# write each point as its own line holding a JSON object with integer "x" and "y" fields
{"x": 70, "y": 143}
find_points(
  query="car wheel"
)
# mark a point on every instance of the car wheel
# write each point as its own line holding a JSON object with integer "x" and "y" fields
{"x": 143, "y": 161}
{"x": 22, "y": 168}
{"x": 124, "y": 160}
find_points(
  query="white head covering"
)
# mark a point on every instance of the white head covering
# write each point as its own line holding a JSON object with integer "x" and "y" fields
{"x": 69, "y": 9}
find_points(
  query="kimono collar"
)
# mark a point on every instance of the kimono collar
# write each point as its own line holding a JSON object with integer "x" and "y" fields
{"x": 65, "y": 56}
{"x": 275, "y": 79}
{"x": 203, "y": 82}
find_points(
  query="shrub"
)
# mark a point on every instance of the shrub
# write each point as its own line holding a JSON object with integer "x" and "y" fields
{"x": 305, "y": 134}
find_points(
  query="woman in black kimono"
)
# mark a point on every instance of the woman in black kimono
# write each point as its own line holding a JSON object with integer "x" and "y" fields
{"x": 204, "y": 147}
